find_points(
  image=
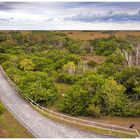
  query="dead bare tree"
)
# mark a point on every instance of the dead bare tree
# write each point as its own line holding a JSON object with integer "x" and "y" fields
{"x": 136, "y": 50}
{"x": 132, "y": 56}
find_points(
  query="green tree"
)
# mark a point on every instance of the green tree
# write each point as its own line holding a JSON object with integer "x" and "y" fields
{"x": 26, "y": 64}
{"x": 82, "y": 95}
{"x": 109, "y": 69}
{"x": 94, "y": 95}
{"x": 112, "y": 98}
{"x": 70, "y": 67}
{"x": 105, "y": 46}
{"x": 41, "y": 88}
{"x": 116, "y": 58}
{"x": 130, "y": 78}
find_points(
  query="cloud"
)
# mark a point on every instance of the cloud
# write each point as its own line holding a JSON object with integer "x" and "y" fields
{"x": 69, "y": 15}
{"x": 108, "y": 17}
{"x": 5, "y": 7}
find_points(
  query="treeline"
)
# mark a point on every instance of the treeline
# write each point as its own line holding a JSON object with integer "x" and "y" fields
{"x": 37, "y": 60}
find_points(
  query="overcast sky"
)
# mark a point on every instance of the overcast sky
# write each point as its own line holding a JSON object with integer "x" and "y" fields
{"x": 70, "y": 16}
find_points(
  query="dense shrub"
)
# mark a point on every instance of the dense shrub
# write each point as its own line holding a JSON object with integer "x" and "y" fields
{"x": 41, "y": 88}
{"x": 4, "y": 57}
{"x": 130, "y": 78}
{"x": 36, "y": 85}
{"x": 93, "y": 95}
{"x": 74, "y": 46}
{"x": 81, "y": 95}
{"x": 8, "y": 64}
{"x": 1, "y": 108}
{"x": 109, "y": 69}
{"x": 26, "y": 64}
{"x": 92, "y": 63}
{"x": 105, "y": 46}
{"x": 112, "y": 98}
{"x": 116, "y": 58}
{"x": 68, "y": 78}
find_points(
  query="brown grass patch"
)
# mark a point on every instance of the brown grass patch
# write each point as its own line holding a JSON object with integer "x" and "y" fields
{"x": 120, "y": 121}
{"x": 11, "y": 128}
{"x": 79, "y": 35}
{"x": 93, "y": 57}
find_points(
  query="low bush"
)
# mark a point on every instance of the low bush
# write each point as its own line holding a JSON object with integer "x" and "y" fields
{"x": 92, "y": 63}
{"x": 1, "y": 108}
{"x": 68, "y": 78}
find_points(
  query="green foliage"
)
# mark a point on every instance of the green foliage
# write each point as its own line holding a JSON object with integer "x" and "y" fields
{"x": 109, "y": 69}
{"x": 1, "y": 108}
{"x": 74, "y": 101}
{"x": 57, "y": 58}
{"x": 74, "y": 46}
{"x": 40, "y": 63}
{"x": 40, "y": 88}
{"x": 94, "y": 95}
{"x": 105, "y": 46}
{"x": 2, "y": 37}
{"x": 70, "y": 67}
{"x": 92, "y": 63}
{"x": 82, "y": 95}
{"x": 93, "y": 110}
{"x": 116, "y": 58}
{"x": 113, "y": 63}
{"x": 35, "y": 60}
{"x": 112, "y": 98}
{"x": 13, "y": 72}
{"x": 4, "y": 57}
{"x": 26, "y": 64}
{"x": 68, "y": 78}
{"x": 130, "y": 78}
{"x": 8, "y": 64}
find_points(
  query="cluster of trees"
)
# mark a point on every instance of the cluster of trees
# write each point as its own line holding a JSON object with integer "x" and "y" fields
{"x": 105, "y": 46}
{"x": 36, "y": 60}
{"x": 96, "y": 95}
{"x": 114, "y": 89}
{"x": 36, "y": 85}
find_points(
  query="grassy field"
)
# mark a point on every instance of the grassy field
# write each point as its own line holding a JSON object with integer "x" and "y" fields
{"x": 90, "y": 35}
{"x": 11, "y": 128}
{"x": 120, "y": 121}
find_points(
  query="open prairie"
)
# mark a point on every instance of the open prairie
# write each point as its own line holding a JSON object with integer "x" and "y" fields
{"x": 89, "y": 35}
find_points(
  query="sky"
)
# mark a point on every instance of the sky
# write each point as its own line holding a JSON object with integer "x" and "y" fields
{"x": 70, "y": 16}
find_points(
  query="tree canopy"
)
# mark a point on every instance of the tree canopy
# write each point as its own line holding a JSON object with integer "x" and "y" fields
{"x": 39, "y": 60}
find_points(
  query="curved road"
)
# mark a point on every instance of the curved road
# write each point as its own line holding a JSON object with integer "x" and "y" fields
{"x": 37, "y": 124}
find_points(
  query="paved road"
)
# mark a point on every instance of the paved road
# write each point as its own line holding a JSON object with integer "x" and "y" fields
{"x": 37, "y": 124}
